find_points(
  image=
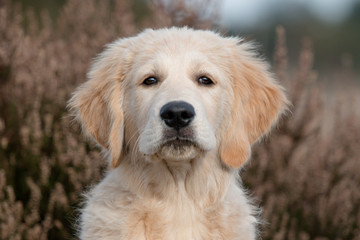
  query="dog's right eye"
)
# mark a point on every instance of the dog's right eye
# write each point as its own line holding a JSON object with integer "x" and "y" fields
{"x": 150, "y": 81}
{"x": 205, "y": 81}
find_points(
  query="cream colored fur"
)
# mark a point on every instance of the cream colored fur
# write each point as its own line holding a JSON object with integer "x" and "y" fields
{"x": 154, "y": 190}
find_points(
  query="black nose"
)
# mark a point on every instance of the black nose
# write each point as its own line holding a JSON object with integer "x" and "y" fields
{"x": 177, "y": 114}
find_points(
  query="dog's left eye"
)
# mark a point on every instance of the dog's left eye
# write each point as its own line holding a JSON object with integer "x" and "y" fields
{"x": 150, "y": 81}
{"x": 203, "y": 80}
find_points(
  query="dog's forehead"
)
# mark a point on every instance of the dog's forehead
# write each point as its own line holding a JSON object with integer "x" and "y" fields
{"x": 177, "y": 41}
{"x": 162, "y": 48}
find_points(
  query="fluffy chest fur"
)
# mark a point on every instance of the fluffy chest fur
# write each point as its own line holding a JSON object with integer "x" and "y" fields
{"x": 116, "y": 211}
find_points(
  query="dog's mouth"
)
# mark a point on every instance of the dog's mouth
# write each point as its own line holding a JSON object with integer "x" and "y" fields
{"x": 178, "y": 148}
{"x": 179, "y": 143}
{"x": 179, "y": 139}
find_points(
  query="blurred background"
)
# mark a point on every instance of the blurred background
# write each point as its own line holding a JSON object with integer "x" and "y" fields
{"x": 305, "y": 176}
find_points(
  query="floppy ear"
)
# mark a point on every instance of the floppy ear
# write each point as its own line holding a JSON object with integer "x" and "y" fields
{"x": 97, "y": 104}
{"x": 257, "y": 103}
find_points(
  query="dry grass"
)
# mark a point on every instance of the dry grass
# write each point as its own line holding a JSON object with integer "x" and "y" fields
{"x": 305, "y": 176}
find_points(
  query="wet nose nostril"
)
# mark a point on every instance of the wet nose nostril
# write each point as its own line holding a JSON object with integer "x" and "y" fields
{"x": 168, "y": 115}
{"x": 177, "y": 114}
{"x": 186, "y": 115}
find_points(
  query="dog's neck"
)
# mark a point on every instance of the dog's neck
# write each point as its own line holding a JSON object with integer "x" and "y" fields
{"x": 204, "y": 180}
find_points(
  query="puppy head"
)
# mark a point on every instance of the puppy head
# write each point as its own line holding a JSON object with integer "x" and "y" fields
{"x": 173, "y": 94}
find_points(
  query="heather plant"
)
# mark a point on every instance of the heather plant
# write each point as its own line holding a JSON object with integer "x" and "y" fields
{"x": 305, "y": 175}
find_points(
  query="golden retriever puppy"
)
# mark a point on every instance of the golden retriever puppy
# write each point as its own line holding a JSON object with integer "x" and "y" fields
{"x": 177, "y": 111}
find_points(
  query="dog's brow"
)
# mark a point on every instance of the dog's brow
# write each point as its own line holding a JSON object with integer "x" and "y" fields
{"x": 200, "y": 69}
{"x": 151, "y": 71}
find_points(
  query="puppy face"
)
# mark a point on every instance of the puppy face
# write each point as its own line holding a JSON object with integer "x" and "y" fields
{"x": 175, "y": 94}
{"x": 175, "y": 98}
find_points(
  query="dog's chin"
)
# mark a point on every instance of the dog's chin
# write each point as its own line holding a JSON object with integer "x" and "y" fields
{"x": 178, "y": 150}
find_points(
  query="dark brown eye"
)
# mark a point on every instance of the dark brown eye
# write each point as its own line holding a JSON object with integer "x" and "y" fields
{"x": 150, "y": 81}
{"x": 205, "y": 81}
